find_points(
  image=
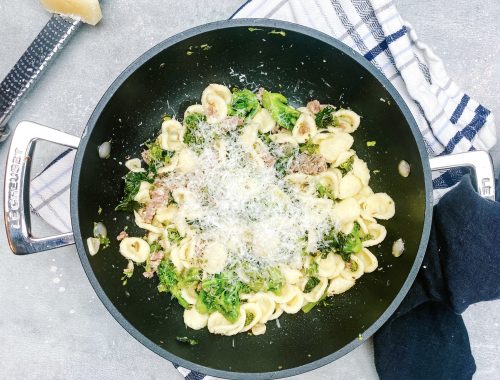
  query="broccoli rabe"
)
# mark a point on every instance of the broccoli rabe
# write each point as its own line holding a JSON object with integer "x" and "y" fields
{"x": 244, "y": 103}
{"x": 132, "y": 183}
{"x": 311, "y": 284}
{"x": 343, "y": 244}
{"x": 173, "y": 281}
{"x": 325, "y": 118}
{"x": 308, "y": 147}
{"x": 174, "y": 236}
{"x": 270, "y": 279}
{"x": 346, "y": 167}
{"x": 192, "y": 121}
{"x": 158, "y": 156}
{"x": 277, "y": 105}
{"x": 324, "y": 192}
{"x": 185, "y": 339}
{"x": 221, "y": 293}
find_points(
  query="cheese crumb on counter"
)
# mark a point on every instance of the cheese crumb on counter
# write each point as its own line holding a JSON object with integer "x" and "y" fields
{"x": 89, "y": 11}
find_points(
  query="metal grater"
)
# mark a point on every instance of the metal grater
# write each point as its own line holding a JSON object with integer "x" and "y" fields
{"x": 32, "y": 63}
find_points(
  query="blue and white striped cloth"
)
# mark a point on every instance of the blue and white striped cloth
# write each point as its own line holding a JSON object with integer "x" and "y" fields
{"x": 449, "y": 119}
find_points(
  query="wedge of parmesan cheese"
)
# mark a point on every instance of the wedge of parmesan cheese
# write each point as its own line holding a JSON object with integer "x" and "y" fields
{"x": 88, "y": 11}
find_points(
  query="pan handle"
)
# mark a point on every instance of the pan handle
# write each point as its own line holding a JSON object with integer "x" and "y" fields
{"x": 479, "y": 161}
{"x": 16, "y": 190}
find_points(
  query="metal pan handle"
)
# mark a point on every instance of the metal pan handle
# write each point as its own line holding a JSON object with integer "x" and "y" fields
{"x": 479, "y": 161}
{"x": 16, "y": 190}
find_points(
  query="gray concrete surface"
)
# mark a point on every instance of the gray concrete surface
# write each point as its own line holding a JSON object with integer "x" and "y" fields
{"x": 51, "y": 324}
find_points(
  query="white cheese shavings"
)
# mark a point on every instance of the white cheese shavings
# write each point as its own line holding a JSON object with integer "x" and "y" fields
{"x": 242, "y": 204}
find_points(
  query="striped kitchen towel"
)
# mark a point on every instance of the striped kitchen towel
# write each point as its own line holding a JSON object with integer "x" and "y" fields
{"x": 449, "y": 120}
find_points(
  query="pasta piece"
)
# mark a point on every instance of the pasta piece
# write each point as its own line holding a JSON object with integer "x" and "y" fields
{"x": 331, "y": 266}
{"x": 349, "y": 186}
{"x": 304, "y": 128}
{"x": 343, "y": 157}
{"x": 152, "y": 237}
{"x": 264, "y": 121}
{"x": 134, "y": 165}
{"x": 347, "y": 120}
{"x": 167, "y": 214}
{"x": 346, "y": 211}
{"x": 339, "y": 285}
{"x": 215, "y": 99}
{"x": 379, "y": 205}
{"x": 295, "y": 304}
{"x": 142, "y": 224}
{"x": 377, "y": 233}
{"x": 189, "y": 294}
{"x": 186, "y": 161}
{"x": 170, "y": 166}
{"x": 249, "y": 135}
{"x": 195, "y": 108}
{"x": 134, "y": 249}
{"x": 217, "y": 324}
{"x": 142, "y": 195}
{"x": 182, "y": 254}
{"x": 354, "y": 269}
{"x": 292, "y": 276}
{"x": 253, "y": 315}
{"x": 266, "y": 304}
{"x": 286, "y": 294}
{"x": 284, "y": 138}
{"x": 259, "y": 329}
{"x": 334, "y": 145}
{"x": 194, "y": 319}
{"x": 277, "y": 312}
{"x": 215, "y": 256}
{"x": 301, "y": 182}
{"x": 318, "y": 291}
{"x": 172, "y": 135}
{"x": 331, "y": 181}
{"x": 361, "y": 171}
{"x": 370, "y": 262}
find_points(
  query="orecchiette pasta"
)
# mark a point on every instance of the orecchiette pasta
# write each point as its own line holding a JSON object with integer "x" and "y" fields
{"x": 251, "y": 209}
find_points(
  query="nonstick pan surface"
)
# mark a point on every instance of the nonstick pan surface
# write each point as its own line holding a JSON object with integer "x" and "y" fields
{"x": 303, "y": 64}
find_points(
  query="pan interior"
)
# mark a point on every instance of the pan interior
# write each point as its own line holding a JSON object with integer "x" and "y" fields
{"x": 302, "y": 68}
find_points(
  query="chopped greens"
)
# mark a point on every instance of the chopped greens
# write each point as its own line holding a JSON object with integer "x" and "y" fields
{"x": 308, "y": 147}
{"x": 309, "y": 306}
{"x": 171, "y": 281}
{"x": 158, "y": 155}
{"x": 174, "y": 236}
{"x": 311, "y": 284}
{"x": 244, "y": 104}
{"x": 277, "y": 105}
{"x": 270, "y": 279}
{"x": 282, "y": 163}
{"x": 155, "y": 247}
{"x": 343, "y": 244}
{"x": 104, "y": 241}
{"x": 264, "y": 137}
{"x": 132, "y": 183}
{"x": 346, "y": 167}
{"x": 324, "y": 192}
{"x": 192, "y": 122}
{"x": 221, "y": 293}
{"x": 185, "y": 339}
{"x": 371, "y": 143}
{"x": 325, "y": 118}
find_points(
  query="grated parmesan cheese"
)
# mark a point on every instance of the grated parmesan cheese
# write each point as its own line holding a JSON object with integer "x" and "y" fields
{"x": 244, "y": 205}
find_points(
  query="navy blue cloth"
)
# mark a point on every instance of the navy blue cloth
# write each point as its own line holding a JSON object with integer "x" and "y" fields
{"x": 426, "y": 337}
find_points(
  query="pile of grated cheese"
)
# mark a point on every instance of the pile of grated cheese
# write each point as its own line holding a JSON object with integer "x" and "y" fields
{"x": 247, "y": 207}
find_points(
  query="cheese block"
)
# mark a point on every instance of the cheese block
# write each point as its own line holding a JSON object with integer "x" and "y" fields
{"x": 88, "y": 11}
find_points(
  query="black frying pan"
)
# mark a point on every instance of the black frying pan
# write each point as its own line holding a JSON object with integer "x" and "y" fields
{"x": 303, "y": 64}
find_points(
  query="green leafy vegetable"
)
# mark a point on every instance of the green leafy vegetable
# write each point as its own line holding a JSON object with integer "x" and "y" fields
{"x": 311, "y": 284}
{"x": 325, "y": 118}
{"x": 104, "y": 241}
{"x": 270, "y": 279}
{"x": 282, "y": 163}
{"x": 346, "y": 167}
{"x": 132, "y": 183}
{"x": 265, "y": 138}
{"x": 166, "y": 117}
{"x": 371, "y": 143}
{"x": 279, "y": 32}
{"x": 244, "y": 103}
{"x": 185, "y": 339}
{"x": 343, "y": 244}
{"x": 308, "y": 147}
{"x": 192, "y": 122}
{"x": 158, "y": 156}
{"x": 221, "y": 293}
{"x": 324, "y": 192}
{"x": 277, "y": 105}
{"x": 174, "y": 236}
{"x": 155, "y": 247}
{"x": 309, "y": 306}
{"x": 172, "y": 281}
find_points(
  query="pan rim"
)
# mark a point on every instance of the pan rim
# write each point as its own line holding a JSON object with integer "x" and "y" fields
{"x": 136, "y": 64}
